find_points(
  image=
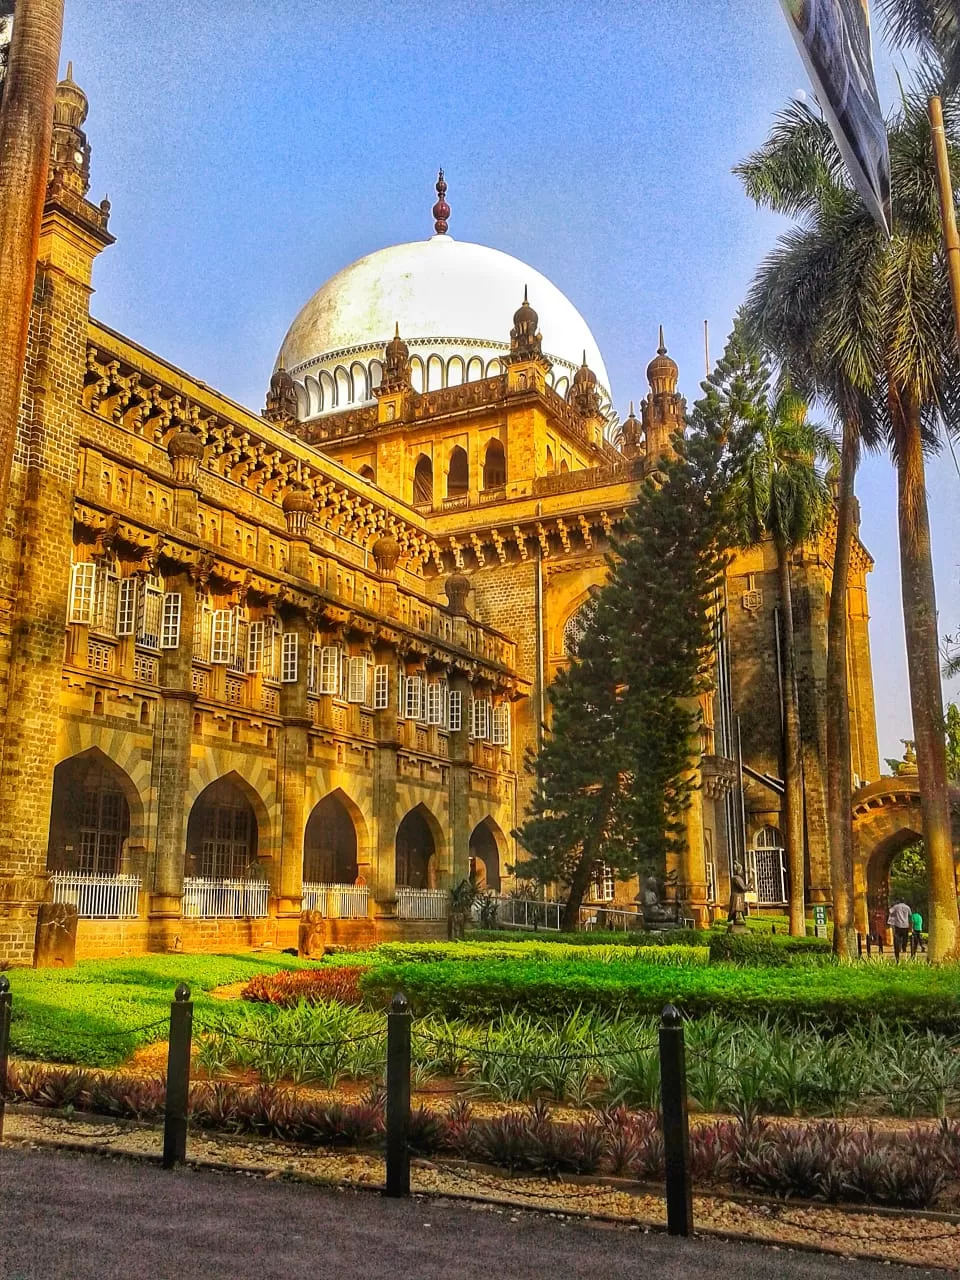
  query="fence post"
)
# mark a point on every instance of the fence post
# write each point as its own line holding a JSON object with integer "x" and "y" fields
{"x": 6, "y": 1001}
{"x": 178, "y": 1079}
{"x": 676, "y": 1135}
{"x": 399, "y": 1021}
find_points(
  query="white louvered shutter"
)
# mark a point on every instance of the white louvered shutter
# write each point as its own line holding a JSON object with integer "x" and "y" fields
{"x": 221, "y": 643}
{"x": 501, "y": 725}
{"x": 381, "y": 687}
{"x": 330, "y": 669}
{"x": 127, "y": 606}
{"x": 255, "y": 648}
{"x": 290, "y": 655}
{"x": 151, "y": 616}
{"x": 170, "y": 630}
{"x": 357, "y": 685}
{"x": 455, "y": 720}
{"x": 434, "y": 702}
{"x": 82, "y": 592}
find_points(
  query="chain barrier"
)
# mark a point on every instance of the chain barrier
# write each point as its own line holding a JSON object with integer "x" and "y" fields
{"x": 227, "y": 1033}
{"x": 593, "y": 1055}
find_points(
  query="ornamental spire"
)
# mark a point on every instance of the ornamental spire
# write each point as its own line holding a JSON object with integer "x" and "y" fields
{"x": 441, "y": 210}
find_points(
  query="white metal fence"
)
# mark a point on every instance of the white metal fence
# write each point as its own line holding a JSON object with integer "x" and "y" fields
{"x": 225, "y": 899}
{"x": 599, "y": 915}
{"x": 529, "y": 913}
{"x": 338, "y": 901}
{"x": 98, "y": 897}
{"x": 422, "y": 904}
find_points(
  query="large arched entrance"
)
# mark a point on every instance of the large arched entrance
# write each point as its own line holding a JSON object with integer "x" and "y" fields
{"x": 89, "y": 816}
{"x": 416, "y": 847}
{"x": 222, "y": 833}
{"x": 886, "y": 819}
{"x": 485, "y": 855}
{"x": 330, "y": 844}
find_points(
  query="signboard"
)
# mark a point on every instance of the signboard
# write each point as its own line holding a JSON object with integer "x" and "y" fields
{"x": 820, "y": 921}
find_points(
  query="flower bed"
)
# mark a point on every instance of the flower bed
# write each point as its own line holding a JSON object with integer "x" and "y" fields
{"x": 313, "y": 986}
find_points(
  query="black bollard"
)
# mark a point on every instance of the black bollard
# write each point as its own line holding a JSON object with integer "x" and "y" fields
{"x": 399, "y": 1021}
{"x": 676, "y": 1134}
{"x": 6, "y": 1002}
{"x": 178, "y": 1079}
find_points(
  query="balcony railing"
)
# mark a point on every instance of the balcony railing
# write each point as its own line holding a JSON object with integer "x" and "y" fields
{"x": 337, "y": 901}
{"x": 98, "y": 897}
{"x": 529, "y": 913}
{"x": 225, "y": 899}
{"x": 422, "y": 904}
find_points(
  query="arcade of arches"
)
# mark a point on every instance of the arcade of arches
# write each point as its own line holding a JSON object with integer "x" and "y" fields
{"x": 330, "y": 844}
{"x": 485, "y": 856}
{"x": 89, "y": 816}
{"x": 416, "y": 852}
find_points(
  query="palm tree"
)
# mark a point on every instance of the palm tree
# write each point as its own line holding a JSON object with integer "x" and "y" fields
{"x": 26, "y": 126}
{"x": 931, "y": 28}
{"x": 781, "y": 493}
{"x": 880, "y": 338}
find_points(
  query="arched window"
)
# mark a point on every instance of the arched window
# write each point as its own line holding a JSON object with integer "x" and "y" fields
{"x": 330, "y": 845}
{"x": 222, "y": 833}
{"x": 485, "y": 856}
{"x": 368, "y": 473}
{"x": 563, "y": 467}
{"x": 423, "y": 482}
{"x": 458, "y": 476}
{"x": 575, "y": 628}
{"x": 768, "y": 874}
{"x": 89, "y": 817}
{"x": 551, "y": 465}
{"x": 494, "y": 466}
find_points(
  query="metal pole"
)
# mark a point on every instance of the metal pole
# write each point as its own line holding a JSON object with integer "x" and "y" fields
{"x": 399, "y": 1021}
{"x": 6, "y": 1000}
{"x": 948, "y": 213}
{"x": 178, "y": 1079}
{"x": 676, "y": 1134}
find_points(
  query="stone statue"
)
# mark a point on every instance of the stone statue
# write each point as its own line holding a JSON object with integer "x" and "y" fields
{"x": 655, "y": 912}
{"x": 739, "y": 888}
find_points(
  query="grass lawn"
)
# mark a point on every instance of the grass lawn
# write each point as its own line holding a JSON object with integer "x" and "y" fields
{"x": 90, "y": 1014}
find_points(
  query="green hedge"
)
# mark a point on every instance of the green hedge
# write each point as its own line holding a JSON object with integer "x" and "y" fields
{"x": 522, "y": 949}
{"x": 915, "y": 994}
{"x": 751, "y": 948}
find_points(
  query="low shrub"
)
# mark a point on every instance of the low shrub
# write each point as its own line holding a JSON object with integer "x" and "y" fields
{"x": 751, "y": 948}
{"x": 439, "y": 952}
{"x": 313, "y": 986}
{"x": 917, "y": 995}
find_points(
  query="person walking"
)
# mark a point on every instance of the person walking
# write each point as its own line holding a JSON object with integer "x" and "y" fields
{"x": 916, "y": 937}
{"x": 899, "y": 919}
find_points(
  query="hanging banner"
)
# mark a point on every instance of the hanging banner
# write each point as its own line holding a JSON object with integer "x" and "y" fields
{"x": 833, "y": 37}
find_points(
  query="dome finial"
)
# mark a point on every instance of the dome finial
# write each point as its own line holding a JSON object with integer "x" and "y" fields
{"x": 70, "y": 73}
{"x": 662, "y": 349}
{"x": 441, "y": 210}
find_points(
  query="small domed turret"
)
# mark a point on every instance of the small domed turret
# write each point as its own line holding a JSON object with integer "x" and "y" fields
{"x": 441, "y": 210}
{"x": 583, "y": 394}
{"x": 662, "y": 372}
{"x": 525, "y": 341}
{"x": 281, "y": 398}
{"x": 70, "y": 105}
{"x": 69, "y": 151}
{"x": 396, "y": 364}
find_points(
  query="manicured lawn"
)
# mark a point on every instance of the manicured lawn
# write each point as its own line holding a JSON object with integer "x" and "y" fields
{"x": 90, "y": 1014}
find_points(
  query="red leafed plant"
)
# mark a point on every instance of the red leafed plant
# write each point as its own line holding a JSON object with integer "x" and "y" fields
{"x": 314, "y": 986}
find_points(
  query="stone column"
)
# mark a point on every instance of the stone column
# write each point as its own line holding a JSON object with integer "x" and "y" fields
{"x": 292, "y": 776}
{"x": 460, "y": 761}
{"x": 810, "y": 636}
{"x": 172, "y": 741}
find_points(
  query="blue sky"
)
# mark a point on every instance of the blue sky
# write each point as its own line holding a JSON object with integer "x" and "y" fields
{"x": 251, "y": 150}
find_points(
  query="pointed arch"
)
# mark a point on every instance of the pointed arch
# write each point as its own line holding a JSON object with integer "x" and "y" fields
{"x": 494, "y": 466}
{"x": 551, "y": 465}
{"x": 423, "y": 481}
{"x": 95, "y": 809}
{"x": 458, "y": 474}
{"x": 227, "y": 826}
{"x": 334, "y": 841}
{"x": 488, "y": 847}
{"x": 419, "y": 849}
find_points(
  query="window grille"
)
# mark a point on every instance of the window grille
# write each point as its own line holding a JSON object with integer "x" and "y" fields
{"x": 241, "y": 643}
{"x": 414, "y": 698}
{"x": 82, "y": 592}
{"x": 127, "y": 606}
{"x": 357, "y": 685}
{"x": 770, "y": 867}
{"x": 289, "y": 657}
{"x": 381, "y": 687}
{"x": 455, "y": 720}
{"x": 99, "y": 657}
{"x": 270, "y": 665}
{"x": 221, "y": 645}
{"x": 151, "y": 616}
{"x": 170, "y": 628}
{"x": 146, "y": 670}
{"x": 501, "y": 724}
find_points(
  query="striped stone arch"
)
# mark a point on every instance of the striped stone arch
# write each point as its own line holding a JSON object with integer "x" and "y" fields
{"x": 255, "y": 782}
{"x": 357, "y": 806}
{"x": 123, "y": 750}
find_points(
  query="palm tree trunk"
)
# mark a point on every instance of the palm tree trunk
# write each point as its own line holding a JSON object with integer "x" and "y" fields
{"x": 26, "y": 126}
{"x": 839, "y": 769}
{"x": 926, "y": 695}
{"x": 792, "y": 774}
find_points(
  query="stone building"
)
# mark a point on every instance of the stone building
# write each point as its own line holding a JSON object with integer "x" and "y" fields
{"x": 259, "y": 662}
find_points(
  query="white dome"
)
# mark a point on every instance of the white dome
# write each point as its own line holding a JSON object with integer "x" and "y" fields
{"x": 454, "y": 304}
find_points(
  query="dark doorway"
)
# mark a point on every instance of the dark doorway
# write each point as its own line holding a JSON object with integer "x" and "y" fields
{"x": 330, "y": 844}
{"x": 485, "y": 857}
{"x": 423, "y": 482}
{"x": 458, "y": 477}
{"x": 415, "y": 848}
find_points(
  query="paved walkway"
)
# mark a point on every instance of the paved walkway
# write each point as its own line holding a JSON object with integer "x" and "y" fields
{"x": 71, "y": 1217}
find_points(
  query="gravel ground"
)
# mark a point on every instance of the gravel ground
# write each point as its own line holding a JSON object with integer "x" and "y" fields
{"x": 83, "y": 1217}
{"x": 907, "y": 1238}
